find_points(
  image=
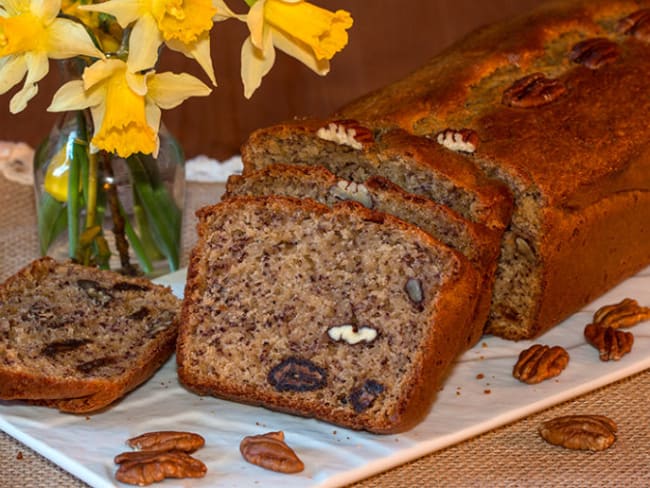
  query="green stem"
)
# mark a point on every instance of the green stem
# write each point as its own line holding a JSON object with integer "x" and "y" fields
{"x": 136, "y": 244}
{"x": 250, "y": 2}
{"x": 121, "y": 243}
{"x": 73, "y": 201}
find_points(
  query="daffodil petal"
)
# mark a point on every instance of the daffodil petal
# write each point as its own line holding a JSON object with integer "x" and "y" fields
{"x": 137, "y": 82}
{"x": 144, "y": 43}
{"x": 72, "y": 96}
{"x": 255, "y": 64}
{"x": 19, "y": 101}
{"x": 11, "y": 72}
{"x": 153, "y": 116}
{"x": 37, "y": 67}
{"x": 200, "y": 51}
{"x": 169, "y": 90}
{"x": 125, "y": 11}
{"x": 224, "y": 12}
{"x": 67, "y": 39}
{"x": 14, "y": 7}
{"x": 300, "y": 51}
{"x": 255, "y": 23}
{"x": 46, "y": 9}
{"x": 97, "y": 113}
{"x": 100, "y": 70}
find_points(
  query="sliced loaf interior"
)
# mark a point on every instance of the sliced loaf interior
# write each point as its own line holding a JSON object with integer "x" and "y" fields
{"x": 477, "y": 242}
{"x": 77, "y": 338}
{"x": 344, "y": 314}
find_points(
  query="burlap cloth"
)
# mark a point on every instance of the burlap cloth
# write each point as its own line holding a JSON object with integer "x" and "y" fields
{"x": 513, "y": 455}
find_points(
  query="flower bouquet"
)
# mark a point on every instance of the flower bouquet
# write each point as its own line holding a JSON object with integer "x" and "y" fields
{"x": 109, "y": 179}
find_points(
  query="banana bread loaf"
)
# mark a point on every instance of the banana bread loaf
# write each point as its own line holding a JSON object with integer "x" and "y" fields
{"x": 477, "y": 242}
{"x": 344, "y": 314}
{"x": 77, "y": 338}
{"x": 552, "y": 104}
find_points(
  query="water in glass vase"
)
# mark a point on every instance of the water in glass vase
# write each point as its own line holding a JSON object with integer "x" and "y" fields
{"x": 103, "y": 210}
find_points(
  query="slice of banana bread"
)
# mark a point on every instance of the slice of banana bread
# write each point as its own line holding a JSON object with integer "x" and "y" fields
{"x": 345, "y": 314}
{"x": 477, "y": 242}
{"x": 356, "y": 153}
{"x": 78, "y": 338}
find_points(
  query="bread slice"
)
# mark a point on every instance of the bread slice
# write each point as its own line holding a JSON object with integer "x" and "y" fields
{"x": 356, "y": 153}
{"x": 345, "y": 314}
{"x": 477, "y": 242}
{"x": 78, "y": 338}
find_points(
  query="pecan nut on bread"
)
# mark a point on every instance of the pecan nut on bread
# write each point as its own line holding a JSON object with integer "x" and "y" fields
{"x": 552, "y": 104}
{"x": 477, "y": 242}
{"x": 78, "y": 338}
{"x": 343, "y": 314}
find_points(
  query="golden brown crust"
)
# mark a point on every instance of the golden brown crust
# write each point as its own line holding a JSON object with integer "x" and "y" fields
{"x": 444, "y": 340}
{"x": 83, "y": 394}
{"x": 578, "y": 162}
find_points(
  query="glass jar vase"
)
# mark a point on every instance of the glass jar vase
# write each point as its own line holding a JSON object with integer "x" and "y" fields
{"x": 102, "y": 210}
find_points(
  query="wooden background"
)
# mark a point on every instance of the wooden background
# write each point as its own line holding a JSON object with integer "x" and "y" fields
{"x": 389, "y": 39}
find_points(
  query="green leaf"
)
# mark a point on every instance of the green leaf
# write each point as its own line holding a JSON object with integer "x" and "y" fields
{"x": 163, "y": 215}
{"x": 52, "y": 221}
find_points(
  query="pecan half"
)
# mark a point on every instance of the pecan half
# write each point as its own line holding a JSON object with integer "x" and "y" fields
{"x": 594, "y": 53}
{"x": 636, "y": 24}
{"x": 269, "y": 451}
{"x": 297, "y": 374}
{"x": 540, "y": 362}
{"x": 156, "y": 466}
{"x": 167, "y": 440}
{"x": 97, "y": 293}
{"x": 462, "y": 140}
{"x": 624, "y": 314}
{"x": 532, "y": 91}
{"x": 363, "y": 398}
{"x": 346, "y": 132}
{"x": 612, "y": 344}
{"x": 593, "y": 432}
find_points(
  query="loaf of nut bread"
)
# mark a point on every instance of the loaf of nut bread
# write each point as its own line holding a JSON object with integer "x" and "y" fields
{"x": 77, "y": 338}
{"x": 343, "y": 314}
{"x": 477, "y": 242}
{"x": 553, "y": 104}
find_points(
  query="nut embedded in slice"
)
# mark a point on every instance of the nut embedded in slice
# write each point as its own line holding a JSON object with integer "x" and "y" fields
{"x": 592, "y": 432}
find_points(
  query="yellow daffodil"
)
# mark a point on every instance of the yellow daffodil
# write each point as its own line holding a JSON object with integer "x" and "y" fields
{"x": 30, "y": 33}
{"x": 310, "y": 34}
{"x": 125, "y": 106}
{"x": 108, "y": 33}
{"x": 183, "y": 25}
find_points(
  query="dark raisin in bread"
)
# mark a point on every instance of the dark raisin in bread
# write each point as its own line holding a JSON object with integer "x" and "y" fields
{"x": 78, "y": 338}
{"x": 477, "y": 242}
{"x": 343, "y": 314}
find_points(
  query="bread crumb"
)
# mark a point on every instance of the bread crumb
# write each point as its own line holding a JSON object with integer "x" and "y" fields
{"x": 484, "y": 345}
{"x": 19, "y": 456}
{"x": 480, "y": 376}
{"x": 487, "y": 392}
